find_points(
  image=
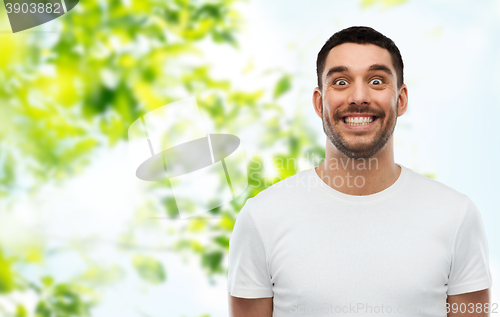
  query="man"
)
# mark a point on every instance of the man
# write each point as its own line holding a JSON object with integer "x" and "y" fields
{"x": 359, "y": 234}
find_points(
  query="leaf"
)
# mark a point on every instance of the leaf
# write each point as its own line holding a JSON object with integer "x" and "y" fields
{"x": 226, "y": 223}
{"x": 224, "y": 37}
{"x": 283, "y": 85}
{"x": 6, "y": 275}
{"x": 34, "y": 253}
{"x": 197, "y": 225}
{"x": 149, "y": 269}
{"x": 367, "y": 3}
{"x": 184, "y": 244}
{"x": 21, "y": 311}
{"x": 98, "y": 275}
{"x": 212, "y": 260}
{"x": 69, "y": 300}
{"x": 223, "y": 241}
{"x": 78, "y": 149}
{"x": 66, "y": 299}
{"x": 42, "y": 309}
{"x": 430, "y": 175}
{"x": 171, "y": 207}
{"x": 47, "y": 281}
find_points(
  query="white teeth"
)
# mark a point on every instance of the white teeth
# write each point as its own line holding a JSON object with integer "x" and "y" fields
{"x": 358, "y": 120}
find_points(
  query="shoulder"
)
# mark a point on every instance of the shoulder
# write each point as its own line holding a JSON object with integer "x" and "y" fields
{"x": 290, "y": 185}
{"x": 279, "y": 195}
{"x": 427, "y": 188}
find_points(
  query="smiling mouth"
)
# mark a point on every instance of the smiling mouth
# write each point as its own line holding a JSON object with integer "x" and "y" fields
{"x": 358, "y": 120}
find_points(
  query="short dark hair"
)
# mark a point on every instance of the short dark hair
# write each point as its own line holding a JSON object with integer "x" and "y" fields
{"x": 361, "y": 35}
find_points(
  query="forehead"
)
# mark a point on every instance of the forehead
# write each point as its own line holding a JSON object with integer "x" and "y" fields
{"x": 357, "y": 57}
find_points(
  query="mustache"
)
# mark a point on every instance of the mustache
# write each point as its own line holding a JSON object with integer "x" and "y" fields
{"x": 360, "y": 110}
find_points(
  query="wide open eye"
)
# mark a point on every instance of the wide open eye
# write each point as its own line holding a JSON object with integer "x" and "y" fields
{"x": 341, "y": 80}
{"x": 377, "y": 79}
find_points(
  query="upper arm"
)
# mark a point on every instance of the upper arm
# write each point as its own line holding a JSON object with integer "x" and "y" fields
{"x": 469, "y": 267}
{"x": 472, "y": 304}
{"x": 248, "y": 261}
{"x": 255, "y": 307}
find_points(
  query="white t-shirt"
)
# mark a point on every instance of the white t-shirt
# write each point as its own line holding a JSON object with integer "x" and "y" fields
{"x": 320, "y": 252}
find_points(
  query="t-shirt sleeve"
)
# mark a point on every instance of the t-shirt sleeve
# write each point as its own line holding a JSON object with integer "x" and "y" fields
{"x": 470, "y": 270}
{"x": 248, "y": 274}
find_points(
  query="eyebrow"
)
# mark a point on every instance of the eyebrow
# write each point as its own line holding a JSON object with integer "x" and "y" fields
{"x": 374, "y": 67}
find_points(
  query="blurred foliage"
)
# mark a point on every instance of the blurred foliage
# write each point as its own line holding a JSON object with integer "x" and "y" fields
{"x": 149, "y": 269}
{"x": 112, "y": 62}
{"x": 63, "y": 97}
{"x": 6, "y": 275}
{"x": 430, "y": 175}
{"x": 283, "y": 85}
{"x": 65, "y": 300}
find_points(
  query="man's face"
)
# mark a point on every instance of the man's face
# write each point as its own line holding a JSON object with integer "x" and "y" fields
{"x": 359, "y": 101}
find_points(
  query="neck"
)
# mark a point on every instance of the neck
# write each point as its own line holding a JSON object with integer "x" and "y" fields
{"x": 363, "y": 176}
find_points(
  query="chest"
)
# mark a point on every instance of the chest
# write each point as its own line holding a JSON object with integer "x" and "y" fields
{"x": 347, "y": 260}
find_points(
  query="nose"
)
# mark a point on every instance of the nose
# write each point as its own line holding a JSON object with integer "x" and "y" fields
{"x": 359, "y": 94}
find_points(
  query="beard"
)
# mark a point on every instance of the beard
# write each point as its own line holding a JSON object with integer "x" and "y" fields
{"x": 361, "y": 150}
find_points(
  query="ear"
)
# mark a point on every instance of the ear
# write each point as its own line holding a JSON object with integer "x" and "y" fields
{"x": 316, "y": 99}
{"x": 403, "y": 100}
